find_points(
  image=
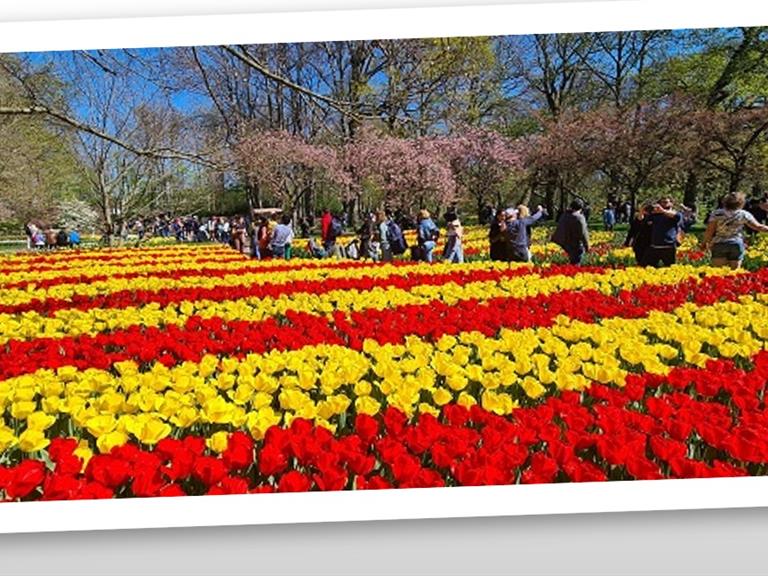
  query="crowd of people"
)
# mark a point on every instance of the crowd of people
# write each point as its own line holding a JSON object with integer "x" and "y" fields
{"x": 47, "y": 238}
{"x": 655, "y": 232}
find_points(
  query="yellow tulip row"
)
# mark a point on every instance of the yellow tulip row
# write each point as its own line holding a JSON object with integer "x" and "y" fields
{"x": 330, "y": 384}
{"x": 174, "y": 250}
{"x": 75, "y": 322}
{"x": 135, "y": 262}
{"x": 18, "y": 296}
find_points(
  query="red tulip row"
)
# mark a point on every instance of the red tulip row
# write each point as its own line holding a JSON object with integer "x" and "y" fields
{"x": 691, "y": 423}
{"x": 172, "y": 344}
{"x": 165, "y": 297}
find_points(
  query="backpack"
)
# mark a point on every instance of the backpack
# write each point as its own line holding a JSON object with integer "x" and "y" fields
{"x": 335, "y": 230}
{"x": 432, "y": 234}
{"x": 396, "y": 238}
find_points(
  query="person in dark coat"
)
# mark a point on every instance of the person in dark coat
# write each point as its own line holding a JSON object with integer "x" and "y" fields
{"x": 639, "y": 235}
{"x": 497, "y": 237}
{"x": 572, "y": 234}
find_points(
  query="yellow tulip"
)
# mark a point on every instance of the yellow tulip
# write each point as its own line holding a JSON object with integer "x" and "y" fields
{"x": 84, "y": 452}
{"x": 33, "y": 440}
{"x": 110, "y": 440}
{"x": 20, "y": 410}
{"x": 151, "y": 431}
{"x": 367, "y": 405}
{"x": 185, "y": 417}
{"x": 441, "y": 396}
{"x": 100, "y": 425}
{"x": 261, "y": 421}
{"x": 40, "y": 421}
{"x": 532, "y": 387}
{"x": 7, "y": 438}
{"x": 218, "y": 441}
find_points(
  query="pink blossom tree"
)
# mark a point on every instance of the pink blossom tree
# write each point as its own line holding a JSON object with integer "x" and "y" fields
{"x": 411, "y": 173}
{"x": 483, "y": 162}
{"x": 289, "y": 168}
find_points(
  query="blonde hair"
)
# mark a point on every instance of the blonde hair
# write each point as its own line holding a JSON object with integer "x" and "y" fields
{"x": 423, "y": 214}
{"x": 734, "y": 201}
{"x": 523, "y": 211}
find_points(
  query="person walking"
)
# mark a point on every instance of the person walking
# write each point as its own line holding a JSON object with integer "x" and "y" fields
{"x": 253, "y": 235}
{"x": 265, "y": 237}
{"x": 666, "y": 229}
{"x": 428, "y": 233}
{"x": 517, "y": 226}
{"x": 39, "y": 239}
{"x": 724, "y": 234}
{"x": 524, "y": 212}
{"x": 29, "y": 230}
{"x": 367, "y": 236}
{"x": 50, "y": 238}
{"x": 238, "y": 234}
{"x": 639, "y": 234}
{"x": 335, "y": 230}
{"x": 453, "y": 251}
{"x": 382, "y": 233}
{"x": 609, "y": 218}
{"x": 325, "y": 225}
{"x": 571, "y": 233}
{"x": 62, "y": 238}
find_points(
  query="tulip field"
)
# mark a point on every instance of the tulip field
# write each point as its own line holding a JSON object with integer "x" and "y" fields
{"x": 191, "y": 369}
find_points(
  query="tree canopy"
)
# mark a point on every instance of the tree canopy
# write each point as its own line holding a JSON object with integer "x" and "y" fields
{"x": 398, "y": 123}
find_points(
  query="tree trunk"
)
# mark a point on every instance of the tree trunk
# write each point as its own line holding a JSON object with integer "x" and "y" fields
{"x": 252, "y": 192}
{"x": 525, "y": 198}
{"x": 691, "y": 189}
{"x": 106, "y": 207}
{"x": 737, "y": 176}
{"x": 550, "y": 185}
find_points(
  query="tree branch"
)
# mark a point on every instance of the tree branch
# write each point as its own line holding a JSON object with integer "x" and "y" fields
{"x": 162, "y": 152}
{"x": 343, "y": 107}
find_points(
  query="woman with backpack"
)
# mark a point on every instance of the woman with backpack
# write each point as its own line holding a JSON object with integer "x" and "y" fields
{"x": 428, "y": 233}
{"x": 335, "y": 229}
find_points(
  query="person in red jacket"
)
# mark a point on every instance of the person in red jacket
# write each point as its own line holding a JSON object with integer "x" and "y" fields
{"x": 325, "y": 223}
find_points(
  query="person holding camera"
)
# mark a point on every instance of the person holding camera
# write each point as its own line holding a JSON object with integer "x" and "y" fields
{"x": 666, "y": 229}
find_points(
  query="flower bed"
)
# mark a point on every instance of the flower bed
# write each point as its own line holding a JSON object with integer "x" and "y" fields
{"x": 187, "y": 370}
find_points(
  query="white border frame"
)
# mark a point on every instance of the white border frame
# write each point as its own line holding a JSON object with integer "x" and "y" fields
{"x": 395, "y": 504}
{"x": 496, "y": 20}
{"x": 465, "y": 502}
